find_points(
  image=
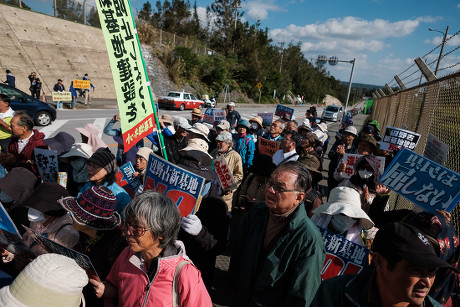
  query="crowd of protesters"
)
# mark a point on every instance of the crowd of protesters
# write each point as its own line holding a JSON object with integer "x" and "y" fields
{"x": 145, "y": 254}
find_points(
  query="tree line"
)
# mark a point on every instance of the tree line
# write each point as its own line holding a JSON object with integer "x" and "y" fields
{"x": 246, "y": 57}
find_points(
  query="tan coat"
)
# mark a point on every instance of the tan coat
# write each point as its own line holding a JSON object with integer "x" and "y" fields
{"x": 235, "y": 164}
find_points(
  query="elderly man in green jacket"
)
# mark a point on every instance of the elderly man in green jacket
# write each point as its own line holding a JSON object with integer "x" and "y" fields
{"x": 279, "y": 252}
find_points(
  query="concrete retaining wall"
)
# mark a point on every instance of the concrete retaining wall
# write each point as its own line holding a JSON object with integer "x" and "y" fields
{"x": 54, "y": 48}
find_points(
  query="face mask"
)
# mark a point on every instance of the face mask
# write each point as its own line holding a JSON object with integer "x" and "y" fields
{"x": 342, "y": 223}
{"x": 205, "y": 190}
{"x": 255, "y": 126}
{"x": 365, "y": 174}
{"x": 35, "y": 216}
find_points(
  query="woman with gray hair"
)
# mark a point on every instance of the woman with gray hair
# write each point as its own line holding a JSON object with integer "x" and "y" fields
{"x": 154, "y": 269}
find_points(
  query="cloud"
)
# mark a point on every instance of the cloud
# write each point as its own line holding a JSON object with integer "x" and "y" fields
{"x": 259, "y": 10}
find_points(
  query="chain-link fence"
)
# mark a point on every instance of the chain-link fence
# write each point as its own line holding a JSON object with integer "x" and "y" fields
{"x": 432, "y": 107}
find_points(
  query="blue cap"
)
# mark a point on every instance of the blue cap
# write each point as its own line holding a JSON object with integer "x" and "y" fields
{"x": 243, "y": 123}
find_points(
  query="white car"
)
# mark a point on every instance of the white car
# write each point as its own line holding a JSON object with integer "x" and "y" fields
{"x": 333, "y": 113}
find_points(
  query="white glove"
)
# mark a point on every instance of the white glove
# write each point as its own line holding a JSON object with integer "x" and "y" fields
{"x": 191, "y": 224}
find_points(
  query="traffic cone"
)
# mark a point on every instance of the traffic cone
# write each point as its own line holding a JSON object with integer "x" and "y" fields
{"x": 44, "y": 97}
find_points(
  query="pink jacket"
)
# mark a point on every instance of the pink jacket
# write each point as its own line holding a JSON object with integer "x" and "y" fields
{"x": 132, "y": 282}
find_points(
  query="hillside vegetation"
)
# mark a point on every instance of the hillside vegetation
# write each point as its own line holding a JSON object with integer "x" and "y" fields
{"x": 246, "y": 55}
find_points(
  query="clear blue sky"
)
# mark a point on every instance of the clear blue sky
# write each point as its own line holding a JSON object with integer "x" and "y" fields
{"x": 384, "y": 36}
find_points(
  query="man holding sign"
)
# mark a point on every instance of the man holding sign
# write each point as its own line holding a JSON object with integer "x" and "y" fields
{"x": 59, "y": 87}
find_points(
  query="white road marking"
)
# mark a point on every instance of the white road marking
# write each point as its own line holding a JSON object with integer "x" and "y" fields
{"x": 50, "y": 129}
{"x": 100, "y": 123}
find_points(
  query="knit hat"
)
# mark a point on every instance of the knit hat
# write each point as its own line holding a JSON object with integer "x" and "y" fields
{"x": 94, "y": 208}
{"x": 81, "y": 150}
{"x": 61, "y": 143}
{"x": 18, "y": 183}
{"x": 201, "y": 129}
{"x": 258, "y": 120}
{"x": 50, "y": 280}
{"x": 105, "y": 159}
{"x": 45, "y": 199}
{"x": 346, "y": 201}
{"x": 144, "y": 152}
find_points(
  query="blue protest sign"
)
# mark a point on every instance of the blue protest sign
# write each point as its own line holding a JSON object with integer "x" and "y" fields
{"x": 6, "y": 223}
{"x": 125, "y": 179}
{"x": 182, "y": 186}
{"x": 3, "y": 171}
{"x": 422, "y": 181}
{"x": 284, "y": 112}
{"x": 213, "y": 115}
{"x": 342, "y": 256}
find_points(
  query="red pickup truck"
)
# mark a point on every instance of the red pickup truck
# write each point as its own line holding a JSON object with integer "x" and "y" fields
{"x": 180, "y": 101}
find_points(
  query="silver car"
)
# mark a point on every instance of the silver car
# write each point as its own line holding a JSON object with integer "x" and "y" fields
{"x": 333, "y": 113}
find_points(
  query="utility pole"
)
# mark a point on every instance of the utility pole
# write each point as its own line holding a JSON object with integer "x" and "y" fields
{"x": 55, "y": 10}
{"x": 84, "y": 12}
{"x": 282, "y": 53}
{"x": 20, "y": 3}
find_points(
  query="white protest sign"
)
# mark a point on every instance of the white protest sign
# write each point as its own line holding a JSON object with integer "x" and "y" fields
{"x": 224, "y": 173}
{"x": 436, "y": 150}
{"x": 350, "y": 160}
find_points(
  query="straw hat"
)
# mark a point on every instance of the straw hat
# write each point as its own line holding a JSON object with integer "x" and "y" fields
{"x": 258, "y": 120}
{"x": 196, "y": 112}
{"x": 94, "y": 208}
{"x": 50, "y": 280}
{"x": 81, "y": 150}
{"x": 201, "y": 129}
{"x": 166, "y": 118}
{"x": 347, "y": 201}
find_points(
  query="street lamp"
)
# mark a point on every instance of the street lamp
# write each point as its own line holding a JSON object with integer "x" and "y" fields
{"x": 442, "y": 47}
{"x": 322, "y": 59}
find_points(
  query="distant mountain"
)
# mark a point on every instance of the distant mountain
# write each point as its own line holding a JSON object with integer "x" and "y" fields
{"x": 362, "y": 85}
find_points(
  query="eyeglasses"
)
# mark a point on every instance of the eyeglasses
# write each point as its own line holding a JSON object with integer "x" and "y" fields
{"x": 136, "y": 230}
{"x": 276, "y": 188}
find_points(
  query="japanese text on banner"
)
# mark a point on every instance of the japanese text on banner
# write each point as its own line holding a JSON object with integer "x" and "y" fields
{"x": 182, "y": 186}
{"x": 342, "y": 256}
{"x": 128, "y": 72}
{"x": 350, "y": 160}
{"x": 395, "y": 138}
{"x": 213, "y": 115}
{"x": 422, "y": 181}
{"x": 267, "y": 147}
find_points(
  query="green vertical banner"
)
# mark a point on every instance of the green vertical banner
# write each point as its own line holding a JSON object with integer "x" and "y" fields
{"x": 137, "y": 115}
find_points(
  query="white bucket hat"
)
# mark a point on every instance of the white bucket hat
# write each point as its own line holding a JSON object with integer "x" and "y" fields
{"x": 351, "y": 130}
{"x": 322, "y": 127}
{"x": 50, "y": 280}
{"x": 197, "y": 144}
{"x": 347, "y": 201}
{"x": 200, "y": 129}
{"x": 182, "y": 122}
{"x": 82, "y": 150}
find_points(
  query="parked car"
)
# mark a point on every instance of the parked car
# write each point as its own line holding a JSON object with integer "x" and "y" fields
{"x": 180, "y": 100}
{"x": 41, "y": 112}
{"x": 333, "y": 113}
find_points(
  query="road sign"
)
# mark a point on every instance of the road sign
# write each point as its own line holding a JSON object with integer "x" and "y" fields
{"x": 259, "y": 85}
